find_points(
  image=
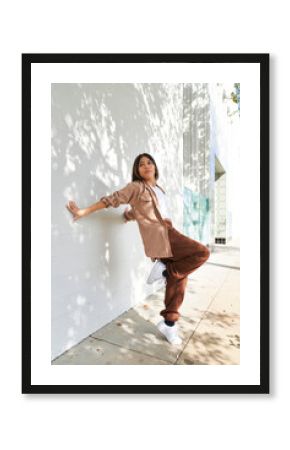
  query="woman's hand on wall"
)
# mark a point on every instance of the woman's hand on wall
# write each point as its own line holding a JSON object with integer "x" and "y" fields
{"x": 75, "y": 210}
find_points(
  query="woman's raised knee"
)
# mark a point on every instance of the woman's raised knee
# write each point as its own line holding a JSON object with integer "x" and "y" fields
{"x": 205, "y": 253}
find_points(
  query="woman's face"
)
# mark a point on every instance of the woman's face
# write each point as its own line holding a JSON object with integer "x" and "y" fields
{"x": 146, "y": 169}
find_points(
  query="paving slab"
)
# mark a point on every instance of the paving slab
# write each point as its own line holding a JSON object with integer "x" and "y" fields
{"x": 216, "y": 339}
{"x": 133, "y": 332}
{"x": 93, "y": 351}
{"x": 202, "y": 287}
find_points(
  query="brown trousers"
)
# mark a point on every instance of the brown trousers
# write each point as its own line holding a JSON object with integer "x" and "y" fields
{"x": 188, "y": 255}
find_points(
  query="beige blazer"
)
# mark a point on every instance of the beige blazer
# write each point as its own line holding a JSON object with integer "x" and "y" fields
{"x": 145, "y": 210}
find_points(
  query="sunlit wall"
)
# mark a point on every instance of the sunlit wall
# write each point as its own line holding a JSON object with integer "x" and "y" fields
{"x": 98, "y": 264}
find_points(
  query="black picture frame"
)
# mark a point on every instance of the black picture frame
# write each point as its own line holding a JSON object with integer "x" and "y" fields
{"x": 263, "y": 60}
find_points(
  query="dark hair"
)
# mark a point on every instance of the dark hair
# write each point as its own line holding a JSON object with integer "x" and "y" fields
{"x": 135, "y": 172}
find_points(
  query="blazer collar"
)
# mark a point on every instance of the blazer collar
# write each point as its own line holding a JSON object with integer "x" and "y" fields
{"x": 150, "y": 187}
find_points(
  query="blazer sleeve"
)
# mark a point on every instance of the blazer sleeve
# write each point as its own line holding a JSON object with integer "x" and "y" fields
{"x": 128, "y": 194}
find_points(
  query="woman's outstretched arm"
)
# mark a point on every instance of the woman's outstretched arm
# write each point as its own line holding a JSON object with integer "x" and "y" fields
{"x": 82, "y": 212}
{"x": 128, "y": 194}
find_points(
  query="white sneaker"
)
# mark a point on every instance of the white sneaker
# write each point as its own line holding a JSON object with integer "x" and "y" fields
{"x": 156, "y": 272}
{"x": 169, "y": 332}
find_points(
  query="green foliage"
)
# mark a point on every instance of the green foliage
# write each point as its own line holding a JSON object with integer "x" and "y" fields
{"x": 236, "y": 95}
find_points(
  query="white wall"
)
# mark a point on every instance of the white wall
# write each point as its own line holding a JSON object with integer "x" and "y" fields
{"x": 99, "y": 267}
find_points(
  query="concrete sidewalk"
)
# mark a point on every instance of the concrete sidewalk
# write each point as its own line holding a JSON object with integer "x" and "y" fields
{"x": 209, "y": 324}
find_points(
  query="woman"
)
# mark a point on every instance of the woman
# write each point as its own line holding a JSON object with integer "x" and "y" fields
{"x": 176, "y": 255}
